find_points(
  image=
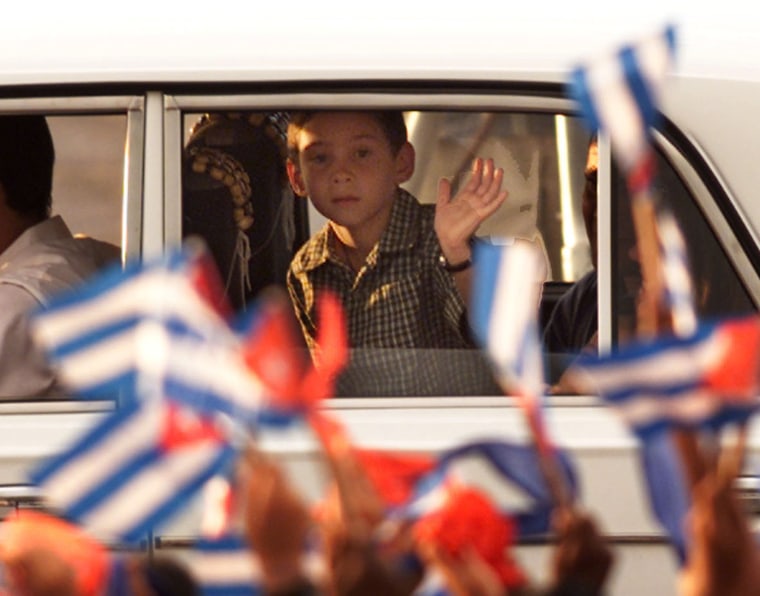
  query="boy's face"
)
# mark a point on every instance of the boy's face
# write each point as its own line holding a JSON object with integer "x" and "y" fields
{"x": 347, "y": 168}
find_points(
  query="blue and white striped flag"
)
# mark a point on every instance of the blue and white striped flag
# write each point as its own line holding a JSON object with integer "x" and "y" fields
{"x": 705, "y": 380}
{"x": 226, "y": 566}
{"x": 679, "y": 291}
{"x": 134, "y": 469}
{"x": 619, "y": 93}
{"x": 156, "y": 330}
{"x": 101, "y": 336}
{"x": 508, "y": 474}
{"x": 506, "y": 293}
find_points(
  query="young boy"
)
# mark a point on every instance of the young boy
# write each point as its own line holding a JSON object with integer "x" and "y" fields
{"x": 400, "y": 268}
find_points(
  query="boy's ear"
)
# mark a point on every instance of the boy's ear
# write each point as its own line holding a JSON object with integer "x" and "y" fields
{"x": 404, "y": 163}
{"x": 295, "y": 178}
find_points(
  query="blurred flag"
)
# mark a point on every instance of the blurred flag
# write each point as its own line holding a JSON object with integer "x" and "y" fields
{"x": 504, "y": 313}
{"x": 504, "y": 319}
{"x": 226, "y": 566}
{"x": 134, "y": 469}
{"x": 433, "y": 584}
{"x": 667, "y": 489}
{"x": 100, "y": 336}
{"x": 273, "y": 349}
{"x": 508, "y": 474}
{"x": 276, "y": 354}
{"x": 394, "y": 475}
{"x": 155, "y": 330}
{"x": 619, "y": 93}
{"x": 702, "y": 381}
{"x": 679, "y": 292}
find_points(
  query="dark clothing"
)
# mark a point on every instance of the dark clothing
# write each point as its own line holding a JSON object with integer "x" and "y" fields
{"x": 572, "y": 324}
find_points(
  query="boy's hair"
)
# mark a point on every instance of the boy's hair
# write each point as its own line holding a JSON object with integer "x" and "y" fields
{"x": 26, "y": 165}
{"x": 391, "y": 121}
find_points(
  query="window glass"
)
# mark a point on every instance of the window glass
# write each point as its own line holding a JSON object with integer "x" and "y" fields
{"x": 89, "y": 173}
{"x": 235, "y": 195}
{"x": 718, "y": 291}
{"x": 543, "y": 156}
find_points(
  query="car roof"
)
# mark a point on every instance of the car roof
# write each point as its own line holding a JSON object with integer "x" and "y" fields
{"x": 80, "y": 41}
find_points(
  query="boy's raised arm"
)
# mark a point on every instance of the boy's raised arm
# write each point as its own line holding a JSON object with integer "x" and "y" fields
{"x": 457, "y": 219}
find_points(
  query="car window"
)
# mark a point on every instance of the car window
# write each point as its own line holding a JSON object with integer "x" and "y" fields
{"x": 97, "y": 173}
{"x": 235, "y": 195}
{"x": 717, "y": 287}
{"x": 88, "y": 180}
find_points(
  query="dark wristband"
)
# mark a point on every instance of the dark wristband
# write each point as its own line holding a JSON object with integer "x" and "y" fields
{"x": 453, "y": 268}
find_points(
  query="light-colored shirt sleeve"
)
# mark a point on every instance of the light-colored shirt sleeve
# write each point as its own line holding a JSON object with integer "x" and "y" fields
{"x": 24, "y": 371}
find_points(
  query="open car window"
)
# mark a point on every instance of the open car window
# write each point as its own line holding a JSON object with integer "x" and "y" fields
{"x": 88, "y": 180}
{"x": 234, "y": 193}
{"x": 97, "y": 176}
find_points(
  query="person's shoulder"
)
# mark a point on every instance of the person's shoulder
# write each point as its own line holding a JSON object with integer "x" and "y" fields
{"x": 102, "y": 253}
{"x": 584, "y": 288}
{"x": 15, "y": 299}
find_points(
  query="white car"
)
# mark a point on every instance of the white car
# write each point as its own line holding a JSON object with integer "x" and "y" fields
{"x": 128, "y": 97}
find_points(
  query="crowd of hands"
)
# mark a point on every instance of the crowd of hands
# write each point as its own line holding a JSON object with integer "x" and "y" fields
{"x": 367, "y": 553}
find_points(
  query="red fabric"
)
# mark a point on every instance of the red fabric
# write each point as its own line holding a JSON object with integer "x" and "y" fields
{"x": 29, "y": 530}
{"x": 184, "y": 427}
{"x": 206, "y": 279}
{"x": 736, "y": 372}
{"x": 273, "y": 351}
{"x": 468, "y": 518}
{"x": 332, "y": 355}
{"x": 394, "y": 475}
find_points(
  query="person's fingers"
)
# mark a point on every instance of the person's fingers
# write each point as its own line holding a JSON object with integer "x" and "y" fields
{"x": 444, "y": 193}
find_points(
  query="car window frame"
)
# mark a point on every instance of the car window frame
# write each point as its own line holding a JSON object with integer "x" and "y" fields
{"x": 521, "y": 97}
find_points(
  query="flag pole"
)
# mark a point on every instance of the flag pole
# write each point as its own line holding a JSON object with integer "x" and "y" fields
{"x": 547, "y": 455}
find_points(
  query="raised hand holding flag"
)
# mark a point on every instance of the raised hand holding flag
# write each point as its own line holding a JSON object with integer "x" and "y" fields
{"x": 504, "y": 316}
{"x": 619, "y": 95}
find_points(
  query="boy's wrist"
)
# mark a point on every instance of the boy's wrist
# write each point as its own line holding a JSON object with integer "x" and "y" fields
{"x": 454, "y": 266}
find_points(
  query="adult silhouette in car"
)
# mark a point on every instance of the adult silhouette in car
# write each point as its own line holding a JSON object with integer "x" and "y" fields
{"x": 39, "y": 256}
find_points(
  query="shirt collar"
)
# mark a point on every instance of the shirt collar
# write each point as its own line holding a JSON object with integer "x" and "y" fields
{"x": 48, "y": 230}
{"x": 400, "y": 235}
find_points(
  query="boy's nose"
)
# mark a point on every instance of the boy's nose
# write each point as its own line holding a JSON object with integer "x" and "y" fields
{"x": 341, "y": 174}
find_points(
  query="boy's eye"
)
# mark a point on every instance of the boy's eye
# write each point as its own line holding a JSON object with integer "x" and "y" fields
{"x": 317, "y": 158}
{"x": 363, "y": 152}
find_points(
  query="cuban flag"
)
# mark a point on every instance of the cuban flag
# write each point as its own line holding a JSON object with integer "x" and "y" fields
{"x": 110, "y": 332}
{"x": 226, "y": 566}
{"x": 504, "y": 313}
{"x": 619, "y": 93}
{"x": 667, "y": 489}
{"x": 703, "y": 381}
{"x": 504, "y": 319}
{"x": 229, "y": 566}
{"x": 679, "y": 291}
{"x": 508, "y": 474}
{"x": 134, "y": 469}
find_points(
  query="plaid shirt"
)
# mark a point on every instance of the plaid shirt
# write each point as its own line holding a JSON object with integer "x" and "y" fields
{"x": 401, "y": 298}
